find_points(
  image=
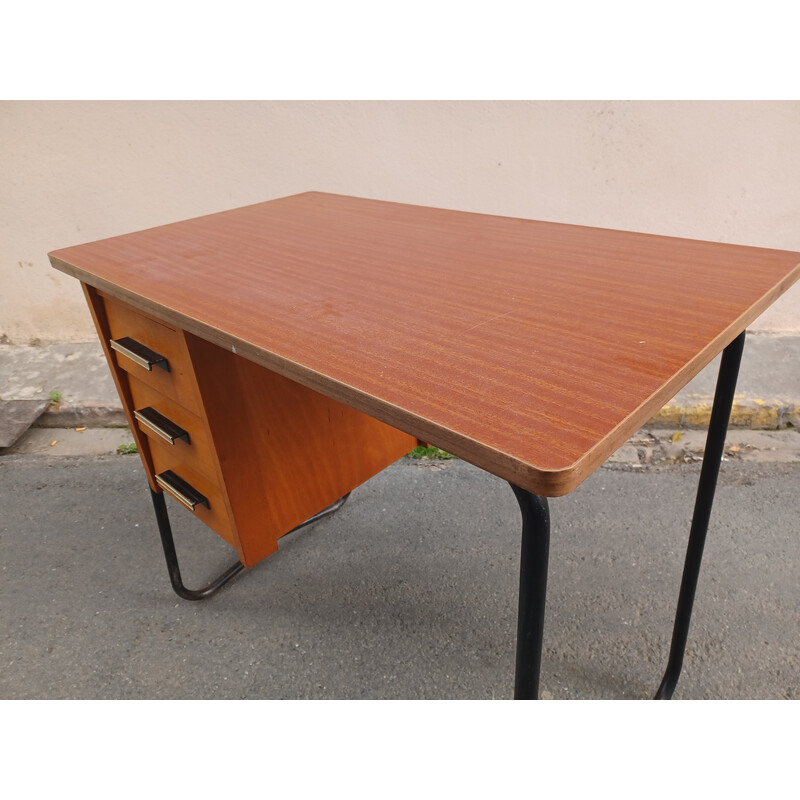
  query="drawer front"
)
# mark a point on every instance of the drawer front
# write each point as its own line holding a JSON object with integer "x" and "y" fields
{"x": 138, "y": 340}
{"x": 197, "y": 452}
{"x": 215, "y": 515}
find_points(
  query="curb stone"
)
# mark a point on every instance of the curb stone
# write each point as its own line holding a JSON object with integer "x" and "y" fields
{"x": 649, "y": 447}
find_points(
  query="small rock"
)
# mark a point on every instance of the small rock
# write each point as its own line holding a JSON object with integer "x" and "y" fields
{"x": 627, "y": 454}
{"x": 674, "y": 452}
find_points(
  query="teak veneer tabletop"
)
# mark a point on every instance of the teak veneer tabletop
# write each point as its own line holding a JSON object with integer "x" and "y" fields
{"x": 531, "y": 349}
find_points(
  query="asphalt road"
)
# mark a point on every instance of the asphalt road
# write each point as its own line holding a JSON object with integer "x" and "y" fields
{"x": 408, "y": 592}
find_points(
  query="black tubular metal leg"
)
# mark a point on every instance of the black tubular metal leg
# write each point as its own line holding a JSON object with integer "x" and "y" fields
{"x": 168, "y": 543}
{"x": 715, "y": 445}
{"x": 532, "y": 592}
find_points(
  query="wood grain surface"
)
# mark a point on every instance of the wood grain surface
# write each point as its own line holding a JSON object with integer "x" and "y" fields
{"x": 531, "y": 349}
{"x": 284, "y": 452}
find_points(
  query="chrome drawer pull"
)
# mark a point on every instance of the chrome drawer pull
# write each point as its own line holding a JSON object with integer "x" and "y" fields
{"x": 159, "y": 424}
{"x": 183, "y": 492}
{"x": 139, "y": 353}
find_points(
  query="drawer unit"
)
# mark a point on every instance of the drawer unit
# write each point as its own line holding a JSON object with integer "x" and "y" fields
{"x": 151, "y": 351}
{"x": 251, "y": 454}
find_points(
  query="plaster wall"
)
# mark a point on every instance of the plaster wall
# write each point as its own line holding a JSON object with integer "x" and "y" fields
{"x": 72, "y": 172}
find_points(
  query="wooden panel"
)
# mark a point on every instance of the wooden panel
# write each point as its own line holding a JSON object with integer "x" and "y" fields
{"x": 285, "y": 452}
{"x": 532, "y": 349}
{"x": 178, "y": 383}
{"x": 197, "y": 453}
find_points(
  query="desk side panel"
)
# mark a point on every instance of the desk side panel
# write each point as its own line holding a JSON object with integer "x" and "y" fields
{"x": 285, "y": 451}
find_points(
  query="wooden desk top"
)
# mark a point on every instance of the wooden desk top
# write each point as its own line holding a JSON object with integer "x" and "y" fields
{"x": 531, "y": 349}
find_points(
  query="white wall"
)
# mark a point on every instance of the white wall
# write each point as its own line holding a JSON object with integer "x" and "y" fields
{"x": 72, "y": 172}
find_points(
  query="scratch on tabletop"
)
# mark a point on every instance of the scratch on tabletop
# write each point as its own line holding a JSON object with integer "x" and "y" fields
{"x": 487, "y": 321}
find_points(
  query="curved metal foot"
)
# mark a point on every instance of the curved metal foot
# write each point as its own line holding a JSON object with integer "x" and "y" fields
{"x": 715, "y": 445}
{"x": 322, "y": 514}
{"x": 532, "y": 591}
{"x": 168, "y": 543}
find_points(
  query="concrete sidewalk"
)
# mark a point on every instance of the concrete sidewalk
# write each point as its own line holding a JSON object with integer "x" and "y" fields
{"x": 77, "y": 374}
{"x": 768, "y": 396}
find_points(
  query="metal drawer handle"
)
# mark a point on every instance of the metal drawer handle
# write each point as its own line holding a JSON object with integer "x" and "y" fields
{"x": 139, "y": 353}
{"x": 183, "y": 492}
{"x": 160, "y": 425}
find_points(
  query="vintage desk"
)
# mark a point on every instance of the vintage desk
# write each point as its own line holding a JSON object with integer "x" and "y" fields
{"x": 274, "y": 357}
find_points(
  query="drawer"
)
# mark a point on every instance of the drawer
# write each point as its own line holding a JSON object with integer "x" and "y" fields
{"x": 215, "y": 514}
{"x": 153, "y": 352}
{"x": 193, "y": 448}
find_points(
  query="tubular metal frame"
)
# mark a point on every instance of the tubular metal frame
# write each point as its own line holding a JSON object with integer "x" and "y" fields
{"x": 536, "y": 538}
{"x": 712, "y": 457}
{"x": 534, "y": 557}
{"x": 168, "y": 543}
